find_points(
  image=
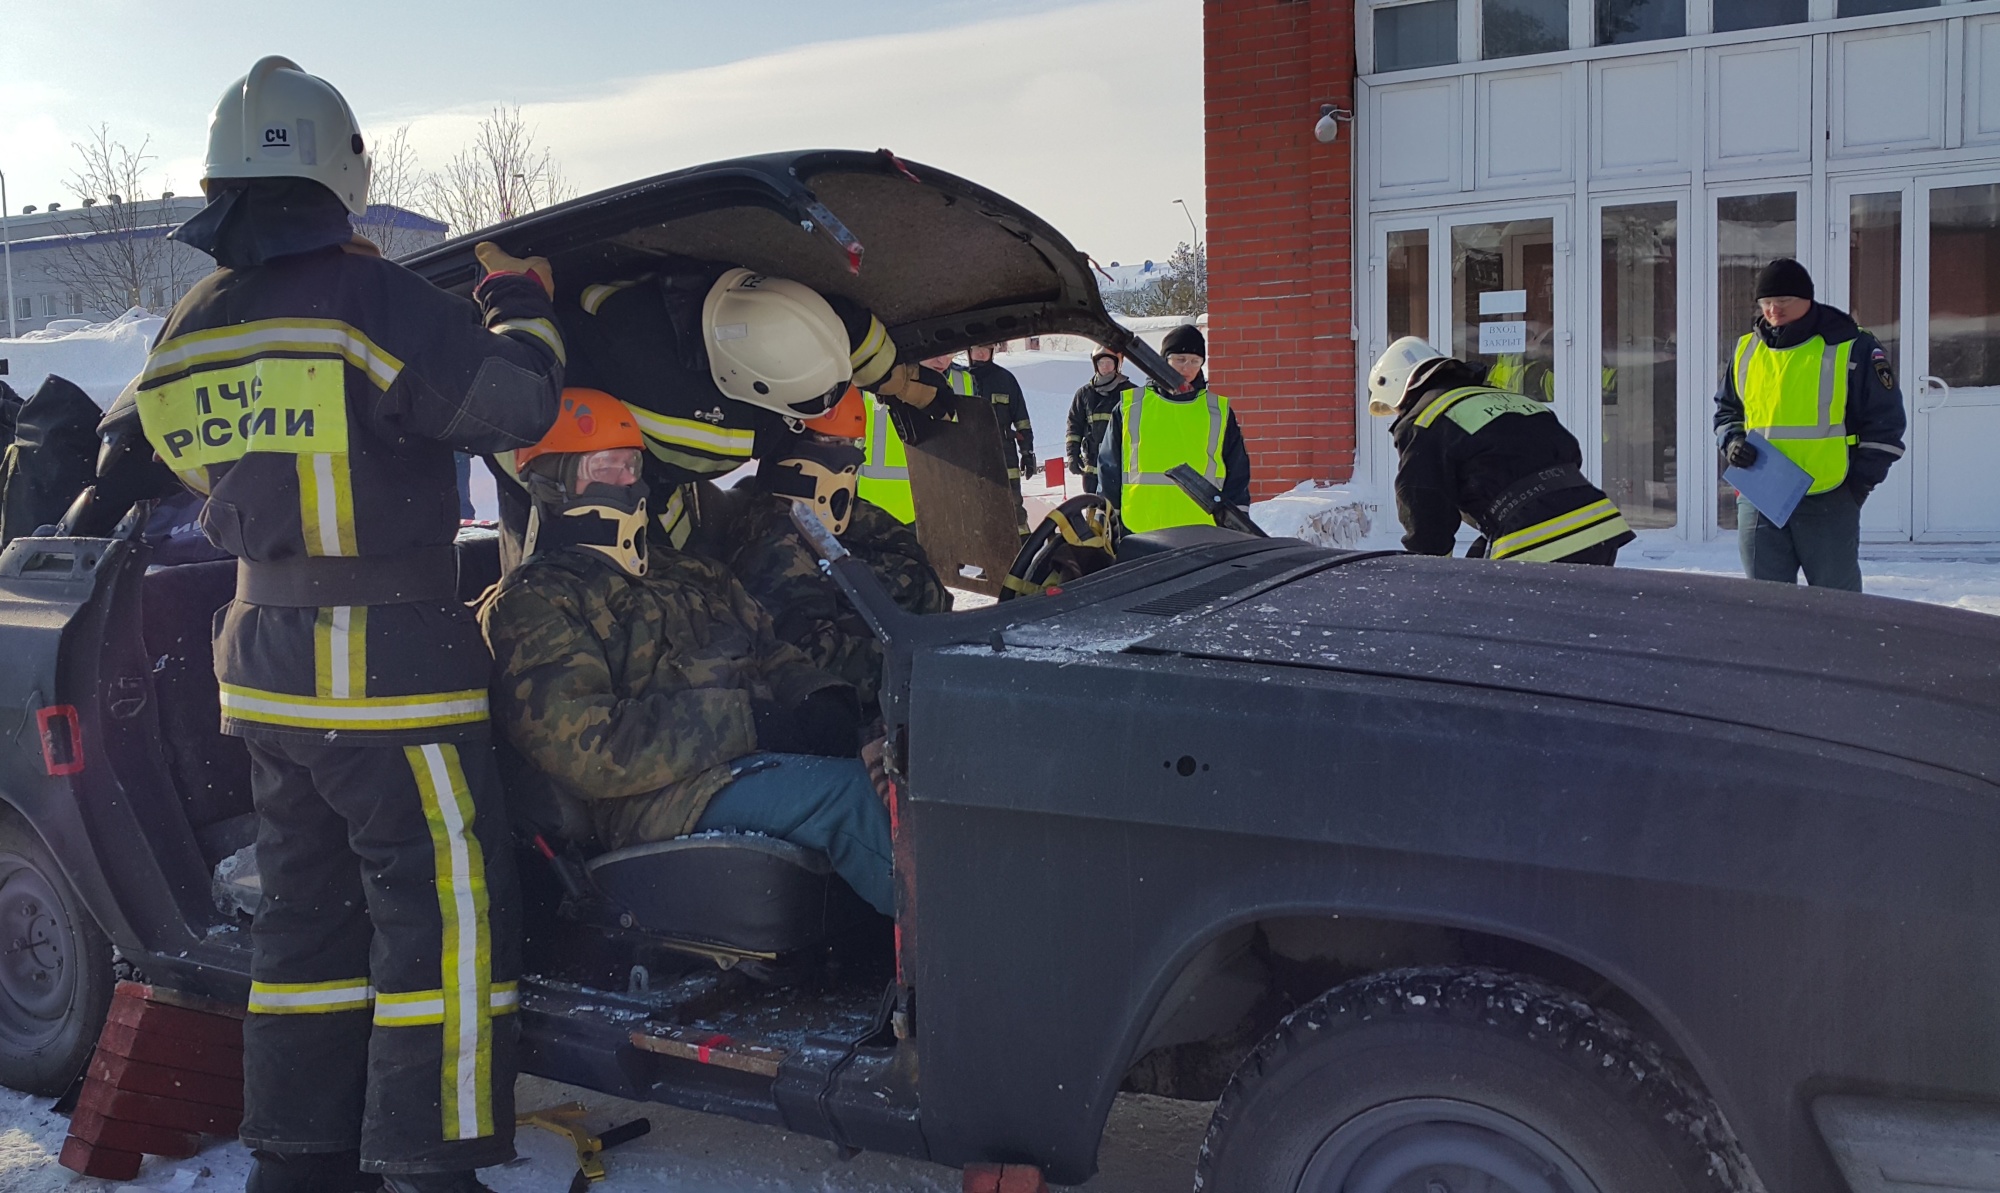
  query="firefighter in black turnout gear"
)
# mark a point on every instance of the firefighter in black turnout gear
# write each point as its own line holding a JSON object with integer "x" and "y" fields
{"x": 1497, "y": 460}
{"x": 315, "y": 393}
{"x": 707, "y": 357}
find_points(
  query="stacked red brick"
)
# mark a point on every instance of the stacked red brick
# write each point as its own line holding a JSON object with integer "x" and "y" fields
{"x": 168, "y": 1070}
{"x": 1280, "y": 233}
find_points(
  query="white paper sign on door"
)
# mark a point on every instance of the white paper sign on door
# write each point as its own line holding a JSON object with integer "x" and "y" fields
{"x": 1503, "y": 302}
{"x": 1501, "y": 339}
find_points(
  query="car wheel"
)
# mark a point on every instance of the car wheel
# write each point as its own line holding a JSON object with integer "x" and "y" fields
{"x": 1450, "y": 1080}
{"x": 55, "y": 968}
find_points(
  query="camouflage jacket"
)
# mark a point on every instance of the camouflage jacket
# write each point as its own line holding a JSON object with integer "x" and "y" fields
{"x": 808, "y": 608}
{"x": 634, "y": 694}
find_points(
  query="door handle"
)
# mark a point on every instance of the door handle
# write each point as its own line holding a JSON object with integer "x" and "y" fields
{"x": 1930, "y": 383}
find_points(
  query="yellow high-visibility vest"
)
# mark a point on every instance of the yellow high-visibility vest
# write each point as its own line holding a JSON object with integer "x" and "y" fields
{"x": 884, "y": 478}
{"x": 1157, "y": 432}
{"x": 1797, "y": 398}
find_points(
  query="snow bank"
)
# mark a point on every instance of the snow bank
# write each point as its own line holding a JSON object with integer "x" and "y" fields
{"x": 1325, "y": 517}
{"x": 99, "y": 357}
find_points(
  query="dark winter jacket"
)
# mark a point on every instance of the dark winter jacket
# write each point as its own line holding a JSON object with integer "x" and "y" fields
{"x": 10, "y": 412}
{"x": 1235, "y": 454}
{"x": 53, "y": 457}
{"x": 1010, "y": 410}
{"x": 1875, "y": 416}
{"x": 1089, "y": 412}
{"x": 1446, "y": 475}
{"x": 355, "y": 381}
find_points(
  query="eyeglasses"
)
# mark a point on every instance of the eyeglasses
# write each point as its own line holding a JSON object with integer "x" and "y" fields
{"x": 1185, "y": 360}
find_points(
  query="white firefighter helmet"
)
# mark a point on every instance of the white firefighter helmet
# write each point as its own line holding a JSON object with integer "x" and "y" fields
{"x": 775, "y": 343}
{"x": 280, "y": 122}
{"x": 1391, "y": 374}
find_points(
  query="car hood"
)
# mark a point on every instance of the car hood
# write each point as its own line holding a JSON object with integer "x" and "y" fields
{"x": 1911, "y": 680}
{"x": 943, "y": 262}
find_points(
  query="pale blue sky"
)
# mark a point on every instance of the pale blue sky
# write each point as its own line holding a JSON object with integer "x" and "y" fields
{"x": 1063, "y": 104}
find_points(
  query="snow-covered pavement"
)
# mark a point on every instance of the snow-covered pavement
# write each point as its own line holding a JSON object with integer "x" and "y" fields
{"x": 1150, "y": 1145}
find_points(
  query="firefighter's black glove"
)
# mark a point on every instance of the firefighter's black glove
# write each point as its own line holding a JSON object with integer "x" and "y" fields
{"x": 1738, "y": 451}
{"x": 829, "y": 723}
{"x": 910, "y": 423}
{"x": 777, "y": 728}
{"x": 1027, "y": 461}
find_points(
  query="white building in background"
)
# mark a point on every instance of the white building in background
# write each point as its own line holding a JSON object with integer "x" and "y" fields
{"x": 1602, "y": 179}
{"x": 44, "y": 243}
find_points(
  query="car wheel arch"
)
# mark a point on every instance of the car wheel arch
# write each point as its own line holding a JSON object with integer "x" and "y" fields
{"x": 1307, "y": 951}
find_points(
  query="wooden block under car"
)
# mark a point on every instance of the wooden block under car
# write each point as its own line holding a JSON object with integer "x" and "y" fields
{"x": 105, "y": 1163}
{"x": 159, "y": 1112}
{"x": 99, "y": 1131}
{"x": 122, "y": 1072}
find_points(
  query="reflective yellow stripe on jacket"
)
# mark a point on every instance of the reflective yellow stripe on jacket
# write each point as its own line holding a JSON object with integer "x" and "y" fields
{"x": 1158, "y": 433}
{"x": 1564, "y": 535}
{"x": 1797, "y": 398}
{"x": 885, "y": 467}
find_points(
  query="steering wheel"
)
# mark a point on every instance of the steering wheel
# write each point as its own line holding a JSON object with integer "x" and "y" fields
{"x": 1077, "y": 538}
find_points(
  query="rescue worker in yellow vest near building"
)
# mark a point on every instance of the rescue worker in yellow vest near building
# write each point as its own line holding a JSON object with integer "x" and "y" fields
{"x": 316, "y": 394}
{"x": 1823, "y": 393}
{"x": 1151, "y": 432}
{"x": 1497, "y": 460}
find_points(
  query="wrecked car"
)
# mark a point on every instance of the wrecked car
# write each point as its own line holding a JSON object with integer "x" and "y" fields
{"x": 1428, "y": 873}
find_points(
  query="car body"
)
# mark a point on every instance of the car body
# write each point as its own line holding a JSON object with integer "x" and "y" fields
{"x": 1155, "y": 820}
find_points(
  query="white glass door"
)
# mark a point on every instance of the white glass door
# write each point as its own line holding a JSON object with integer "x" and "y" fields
{"x": 1870, "y": 259}
{"x": 1508, "y": 275}
{"x": 1953, "y": 392}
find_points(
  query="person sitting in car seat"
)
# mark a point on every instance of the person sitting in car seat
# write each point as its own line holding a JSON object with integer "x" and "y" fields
{"x": 818, "y": 468}
{"x": 648, "y": 684}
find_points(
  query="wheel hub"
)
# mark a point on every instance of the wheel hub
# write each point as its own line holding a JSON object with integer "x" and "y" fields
{"x": 1439, "y": 1145}
{"x": 35, "y": 970}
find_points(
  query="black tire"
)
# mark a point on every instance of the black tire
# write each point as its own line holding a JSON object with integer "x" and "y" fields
{"x": 1426, "y": 1078}
{"x": 55, "y": 967}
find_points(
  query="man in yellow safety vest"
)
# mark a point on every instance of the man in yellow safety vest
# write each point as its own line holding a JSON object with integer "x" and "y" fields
{"x": 1151, "y": 432}
{"x": 1823, "y": 393}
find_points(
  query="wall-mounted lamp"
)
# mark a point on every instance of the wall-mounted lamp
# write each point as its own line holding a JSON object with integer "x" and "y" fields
{"x": 1327, "y": 130}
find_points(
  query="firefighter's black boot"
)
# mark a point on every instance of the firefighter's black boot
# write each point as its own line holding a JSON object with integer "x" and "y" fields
{"x": 316, "y": 1172}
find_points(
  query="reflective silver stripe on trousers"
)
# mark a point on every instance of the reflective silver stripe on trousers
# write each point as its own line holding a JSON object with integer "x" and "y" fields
{"x": 1210, "y": 464}
{"x": 1829, "y": 376}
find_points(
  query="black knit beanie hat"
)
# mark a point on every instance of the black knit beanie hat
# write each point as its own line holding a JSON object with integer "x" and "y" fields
{"x": 1785, "y": 278}
{"x": 1185, "y": 338}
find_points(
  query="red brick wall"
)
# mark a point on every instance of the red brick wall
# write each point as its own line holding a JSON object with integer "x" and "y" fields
{"x": 1280, "y": 231}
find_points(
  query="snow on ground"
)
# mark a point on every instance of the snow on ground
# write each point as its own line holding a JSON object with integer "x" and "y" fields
{"x": 1150, "y": 1144}
{"x": 99, "y": 357}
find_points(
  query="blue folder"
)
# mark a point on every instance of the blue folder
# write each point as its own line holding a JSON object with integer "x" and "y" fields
{"x": 1773, "y": 484}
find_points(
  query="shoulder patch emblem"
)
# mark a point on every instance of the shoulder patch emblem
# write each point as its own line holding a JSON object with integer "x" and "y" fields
{"x": 1883, "y": 372}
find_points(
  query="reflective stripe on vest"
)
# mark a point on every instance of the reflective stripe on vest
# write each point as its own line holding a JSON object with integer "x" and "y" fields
{"x": 1797, "y": 399}
{"x": 1160, "y": 432}
{"x": 885, "y": 467}
{"x": 1476, "y": 405}
{"x": 1563, "y": 535}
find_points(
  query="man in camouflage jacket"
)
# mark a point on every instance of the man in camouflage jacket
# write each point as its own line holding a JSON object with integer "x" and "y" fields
{"x": 807, "y": 608}
{"x": 650, "y": 685}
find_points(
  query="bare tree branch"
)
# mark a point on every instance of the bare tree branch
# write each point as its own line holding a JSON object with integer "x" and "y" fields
{"x": 1182, "y": 290}
{"x": 398, "y": 181}
{"x": 502, "y": 174}
{"x": 117, "y": 252}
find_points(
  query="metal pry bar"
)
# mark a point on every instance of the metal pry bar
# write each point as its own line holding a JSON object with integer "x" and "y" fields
{"x": 884, "y": 617}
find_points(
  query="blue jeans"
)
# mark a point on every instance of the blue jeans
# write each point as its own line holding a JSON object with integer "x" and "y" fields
{"x": 1822, "y": 539}
{"x": 826, "y": 804}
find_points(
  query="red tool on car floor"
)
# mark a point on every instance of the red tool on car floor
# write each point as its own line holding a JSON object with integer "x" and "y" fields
{"x": 1004, "y": 1178}
{"x": 168, "y": 1070}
